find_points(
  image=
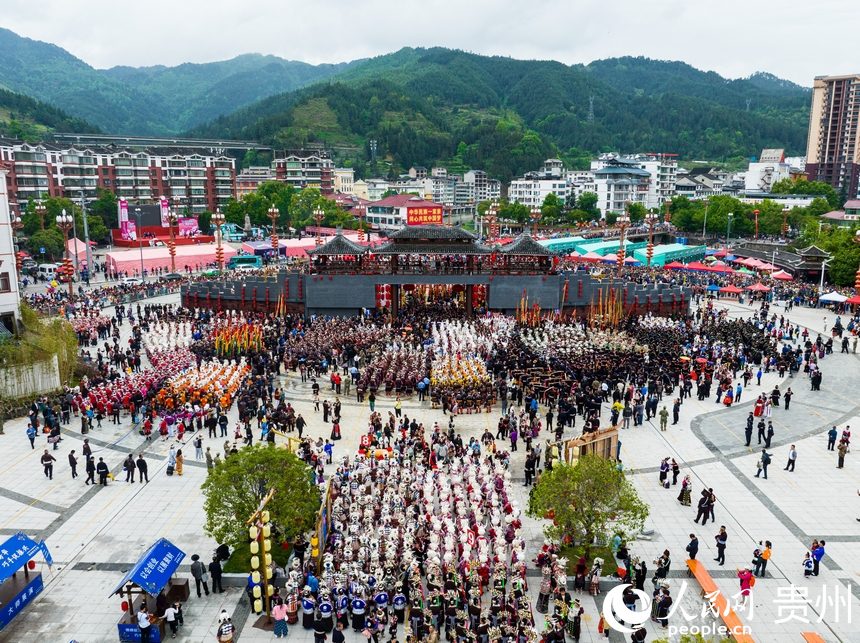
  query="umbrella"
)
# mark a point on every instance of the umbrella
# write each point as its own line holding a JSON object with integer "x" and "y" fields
{"x": 685, "y": 358}
{"x": 834, "y": 297}
{"x": 758, "y": 287}
{"x": 674, "y": 265}
{"x": 782, "y": 275}
{"x": 732, "y": 290}
{"x": 701, "y": 360}
{"x": 730, "y": 258}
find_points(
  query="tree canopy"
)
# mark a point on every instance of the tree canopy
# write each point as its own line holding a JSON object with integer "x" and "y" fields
{"x": 586, "y": 500}
{"x": 234, "y": 488}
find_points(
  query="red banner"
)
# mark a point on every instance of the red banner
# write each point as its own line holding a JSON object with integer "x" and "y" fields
{"x": 423, "y": 215}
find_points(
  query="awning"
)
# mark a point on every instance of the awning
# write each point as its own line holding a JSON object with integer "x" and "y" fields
{"x": 833, "y": 297}
{"x": 154, "y": 568}
{"x": 17, "y": 552}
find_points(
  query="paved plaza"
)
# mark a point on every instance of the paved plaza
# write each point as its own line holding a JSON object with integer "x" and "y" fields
{"x": 97, "y": 533}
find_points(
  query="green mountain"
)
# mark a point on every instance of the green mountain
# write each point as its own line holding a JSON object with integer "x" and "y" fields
{"x": 440, "y": 105}
{"x": 149, "y": 100}
{"x": 26, "y": 118}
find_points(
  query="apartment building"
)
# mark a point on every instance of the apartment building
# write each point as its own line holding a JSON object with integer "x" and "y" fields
{"x": 343, "y": 180}
{"x": 662, "y": 169}
{"x": 305, "y": 168}
{"x": 194, "y": 181}
{"x": 10, "y": 301}
{"x": 249, "y": 179}
{"x": 833, "y": 146}
{"x": 484, "y": 188}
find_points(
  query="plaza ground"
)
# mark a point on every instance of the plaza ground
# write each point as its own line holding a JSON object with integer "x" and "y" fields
{"x": 95, "y": 534}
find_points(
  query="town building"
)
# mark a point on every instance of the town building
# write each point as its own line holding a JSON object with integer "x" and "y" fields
{"x": 249, "y": 179}
{"x": 767, "y": 170}
{"x": 305, "y": 168}
{"x": 484, "y": 188}
{"x": 399, "y": 210}
{"x": 10, "y": 301}
{"x": 662, "y": 169}
{"x": 700, "y": 183}
{"x": 619, "y": 183}
{"x": 847, "y": 217}
{"x": 833, "y": 146}
{"x": 343, "y": 180}
{"x": 194, "y": 181}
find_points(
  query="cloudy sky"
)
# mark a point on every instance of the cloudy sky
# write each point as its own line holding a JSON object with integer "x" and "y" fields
{"x": 793, "y": 39}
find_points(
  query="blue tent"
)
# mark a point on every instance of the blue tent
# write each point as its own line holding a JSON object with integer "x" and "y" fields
{"x": 154, "y": 568}
{"x": 17, "y": 552}
{"x": 713, "y": 287}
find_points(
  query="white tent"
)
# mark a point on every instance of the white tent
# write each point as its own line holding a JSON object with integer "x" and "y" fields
{"x": 833, "y": 297}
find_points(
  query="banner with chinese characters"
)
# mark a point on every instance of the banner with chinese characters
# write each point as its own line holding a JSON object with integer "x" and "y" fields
{"x": 165, "y": 211}
{"x": 14, "y": 606}
{"x": 424, "y": 215}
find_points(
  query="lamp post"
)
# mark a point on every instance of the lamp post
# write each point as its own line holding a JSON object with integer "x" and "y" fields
{"x": 171, "y": 244}
{"x": 87, "y": 248}
{"x": 64, "y": 223}
{"x": 651, "y": 221}
{"x": 359, "y": 213}
{"x": 218, "y": 221}
{"x": 755, "y": 214}
{"x": 319, "y": 215}
{"x": 729, "y": 218}
{"x": 667, "y": 218}
{"x": 491, "y": 218}
{"x": 785, "y": 223}
{"x": 821, "y": 281}
{"x": 857, "y": 276}
{"x": 704, "y": 225}
{"x": 273, "y": 214}
{"x": 41, "y": 211}
{"x": 535, "y": 216}
{"x": 17, "y": 225}
{"x": 138, "y": 214}
{"x": 622, "y": 222}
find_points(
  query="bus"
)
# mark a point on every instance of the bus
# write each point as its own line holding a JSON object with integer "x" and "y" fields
{"x": 244, "y": 262}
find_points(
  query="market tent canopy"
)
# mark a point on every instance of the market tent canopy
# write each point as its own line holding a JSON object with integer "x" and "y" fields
{"x": 17, "y": 552}
{"x": 696, "y": 265}
{"x": 746, "y": 271}
{"x": 758, "y": 287}
{"x": 159, "y": 257}
{"x": 632, "y": 261}
{"x": 610, "y": 258}
{"x": 154, "y": 568}
{"x": 591, "y": 256}
{"x": 713, "y": 287}
{"x": 767, "y": 266}
{"x": 731, "y": 289}
{"x": 853, "y": 300}
{"x": 78, "y": 248}
{"x": 834, "y": 297}
{"x": 782, "y": 275}
{"x": 674, "y": 265}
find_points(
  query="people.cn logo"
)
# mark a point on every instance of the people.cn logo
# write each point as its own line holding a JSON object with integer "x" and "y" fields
{"x": 614, "y": 609}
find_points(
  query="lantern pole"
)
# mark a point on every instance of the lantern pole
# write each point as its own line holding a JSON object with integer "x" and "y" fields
{"x": 259, "y": 529}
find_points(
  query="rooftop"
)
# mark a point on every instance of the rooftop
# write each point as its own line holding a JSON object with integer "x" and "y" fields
{"x": 431, "y": 233}
{"x": 524, "y": 245}
{"x": 338, "y": 245}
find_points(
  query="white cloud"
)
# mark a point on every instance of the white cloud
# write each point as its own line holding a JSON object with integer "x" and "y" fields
{"x": 791, "y": 39}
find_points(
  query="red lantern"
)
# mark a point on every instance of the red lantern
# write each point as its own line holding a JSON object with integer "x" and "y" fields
{"x": 31, "y": 564}
{"x": 124, "y": 606}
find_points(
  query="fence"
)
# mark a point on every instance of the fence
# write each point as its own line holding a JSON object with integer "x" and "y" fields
{"x": 30, "y": 379}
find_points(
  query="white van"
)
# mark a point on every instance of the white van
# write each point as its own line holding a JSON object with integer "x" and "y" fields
{"x": 47, "y": 271}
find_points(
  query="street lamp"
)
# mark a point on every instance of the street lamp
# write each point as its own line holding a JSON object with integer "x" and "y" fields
{"x": 857, "y": 276}
{"x": 821, "y": 281}
{"x": 535, "y": 216}
{"x": 651, "y": 220}
{"x": 492, "y": 217}
{"x": 17, "y": 225}
{"x": 41, "y": 211}
{"x": 729, "y": 218}
{"x": 138, "y": 214}
{"x": 622, "y": 222}
{"x": 704, "y": 225}
{"x": 273, "y": 214}
{"x": 359, "y": 213}
{"x": 755, "y": 214}
{"x": 64, "y": 223}
{"x": 319, "y": 215}
{"x": 218, "y": 221}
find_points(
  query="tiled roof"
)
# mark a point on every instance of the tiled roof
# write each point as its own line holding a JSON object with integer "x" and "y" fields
{"x": 525, "y": 245}
{"x": 395, "y": 248}
{"x": 813, "y": 251}
{"x": 338, "y": 245}
{"x": 430, "y": 232}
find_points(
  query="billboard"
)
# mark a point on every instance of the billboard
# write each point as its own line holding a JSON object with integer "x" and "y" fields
{"x": 424, "y": 215}
{"x": 165, "y": 211}
{"x": 187, "y": 226}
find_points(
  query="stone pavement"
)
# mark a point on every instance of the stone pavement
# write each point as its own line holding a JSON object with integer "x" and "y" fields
{"x": 96, "y": 534}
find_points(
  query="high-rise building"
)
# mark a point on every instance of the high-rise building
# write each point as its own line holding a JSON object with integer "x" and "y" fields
{"x": 306, "y": 169}
{"x": 833, "y": 147}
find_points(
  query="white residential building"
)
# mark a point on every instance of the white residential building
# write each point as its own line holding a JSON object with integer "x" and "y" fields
{"x": 531, "y": 191}
{"x": 770, "y": 168}
{"x": 580, "y": 181}
{"x": 662, "y": 168}
{"x": 343, "y": 180}
{"x": 375, "y": 189}
{"x": 618, "y": 184}
{"x": 10, "y": 300}
{"x": 484, "y": 188}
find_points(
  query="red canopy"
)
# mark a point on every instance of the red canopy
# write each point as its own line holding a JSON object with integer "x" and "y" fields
{"x": 723, "y": 268}
{"x": 734, "y": 290}
{"x": 755, "y": 263}
{"x": 782, "y": 275}
{"x": 696, "y": 265}
{"x": 853, "y": 300}
{"x": 675, "y": 265}
{"x": 591, "y": 256}
{"x": 758, "y": 287}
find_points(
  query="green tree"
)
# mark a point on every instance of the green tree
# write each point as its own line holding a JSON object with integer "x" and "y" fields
{"x": 587, "y": 202}
{"x": 636, "y": 212}
{"x": 552, "y": 208}
{"x": 234, "y": 488}
{"x": 204, "y": 222}
{"x": 51, "y": 240}
{"x": 803, "y": 186}
{"x": 514, "y": 212}
{"x": 305, "y": 202}
{"x": 105, "y": 207}
{"x": 585, "y": 500}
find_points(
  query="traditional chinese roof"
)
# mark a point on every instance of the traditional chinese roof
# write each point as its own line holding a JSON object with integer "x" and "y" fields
{"x": 431, "y": 233}
{"x": 525, "y": 245}
{"x": 397, "y": 248}
{"x": 338, "y": 245}
{"x": 813, "y": 251}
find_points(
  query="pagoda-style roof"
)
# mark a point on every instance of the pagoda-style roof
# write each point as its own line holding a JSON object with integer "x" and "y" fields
{"x": 431, "y": 233}
{"x": 525, "y": 245}
{"x": 813, "y": 251}
{"x": 398, "y": 248}
{"x": 338, "y": 245}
